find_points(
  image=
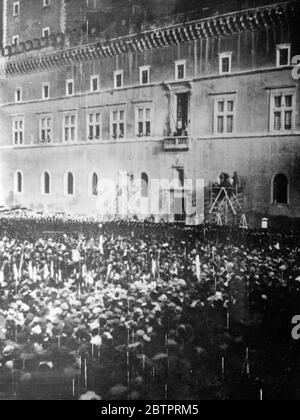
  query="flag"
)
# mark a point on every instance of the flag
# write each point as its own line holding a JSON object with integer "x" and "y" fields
{"x": 101, "y": 242}
{"x": 198, "y": 268}
{"x": 75, "y": 255}
{"x": 89, "y": 279}
{"x": 16, "y": 272}
{"x": 153, "y": 267}
{"x": 21, "y": 265}
{"x": 52, "y": 270}
{"x": 46, "y": 271}
{"x": 109, "y": 268}
{"x": 30, "y": 270}
{"x": 34, "y": 274}
{"x": 83, "y": 270}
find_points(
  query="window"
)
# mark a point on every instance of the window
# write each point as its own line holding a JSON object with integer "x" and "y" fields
{"x": 143, "y": 121}
{"x": 45, "y": 132}
{"x": 16, "y": 7}
{"x": 19, "y": 182}
{"x": 69, "y": 127}
{"x": 118, "y": 79}
{"x": 95, "y": 83}
{"x": 182, "y": 114}
{"x": 46, "y": 91}
{"x": 117, "y": 124}
{"x": 46, "y": 32}
{"x": 46, "y": 183}
{"x": 70, "y": 87}
{"x": 224, "y": 115}
{"x": 144, "y": 185}
{"x": 283, "y": 109}
{"x": 180, "y": 70}
{"x": 283, "y": 55}
{"x": 18, "y": 131}
{"x": 70, "y": 184}
{"x": 280, "y": 189}
{"x": 46, "y": 3}
{"x": 225, "y": 61}
{"x": 16, "y": 40}
{"x": 95, "y": 181}
{"x": 144, "y": 75}
{"x": 92, "y": 3}
{"x": 18, "y": 95}
{"x": 93, "y": 125}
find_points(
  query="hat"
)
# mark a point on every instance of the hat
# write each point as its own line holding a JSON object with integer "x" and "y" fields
{"x": 8, "y": 350}
{"x": 65, "y": 306}
{"x": 94, "y": 325}
{"x": 140, "y": 333}
{"x": 146, "y": 338}
{"x": 37, "y": 330}
{"x": 96, "y": 341}
{"x": 90, "y": 396}
{"x": 119, "y": 391}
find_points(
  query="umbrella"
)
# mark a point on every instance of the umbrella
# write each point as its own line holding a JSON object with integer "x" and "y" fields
{"x": 37, "y": 330}
{"x": 134, "y": 346}
{"x": 70, "y": 372}
{"x": 119, "y": 391}
{"x": 90, "y": 396}
{"x": 140, "y": 333}
{"x": 200, "y": 350}
{"x": 96, "y": 341}
{"x": 160, "y": 357}
{"x": 172, "y": 343}
{"x": 26, "y": 377}
{"x": 108, "y": 336}
{"x": 9, "y": 365}
{"x": 94, "y": 325}
{"x": 146, "y": 338}
{"x": 121, "y": 348}
{"x": 8, "y": 350}
{"x": 46, "y": 365}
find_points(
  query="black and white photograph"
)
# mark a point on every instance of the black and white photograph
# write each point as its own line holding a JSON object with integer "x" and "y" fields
{"x": 149, "y": 202}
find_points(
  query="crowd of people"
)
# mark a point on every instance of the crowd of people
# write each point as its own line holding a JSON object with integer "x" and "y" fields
{"x": 132, "y": 310}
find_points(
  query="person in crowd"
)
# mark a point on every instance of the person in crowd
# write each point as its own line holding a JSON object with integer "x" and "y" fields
{"x": 235, "y": 180}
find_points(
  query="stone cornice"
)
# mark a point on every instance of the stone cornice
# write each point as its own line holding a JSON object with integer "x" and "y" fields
{"x": 32, "y": 56}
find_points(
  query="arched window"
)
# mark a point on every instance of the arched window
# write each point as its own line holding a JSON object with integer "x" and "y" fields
{"x": 95, "y": 181}
{"x": 280, "y": 189}
{"x": 145, "y": 185}
{"x": 70, "y": 184}
{"x": 46, "y": 183}
{"x": 19, "y": 183}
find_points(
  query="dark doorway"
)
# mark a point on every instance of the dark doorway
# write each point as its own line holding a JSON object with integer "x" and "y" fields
{"x": 280, "y": 189}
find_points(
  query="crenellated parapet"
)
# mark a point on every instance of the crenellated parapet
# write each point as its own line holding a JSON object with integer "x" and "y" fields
{"x": 55, "y": 51}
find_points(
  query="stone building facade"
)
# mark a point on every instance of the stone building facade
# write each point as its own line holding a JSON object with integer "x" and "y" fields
{"x": 180, "y": 99}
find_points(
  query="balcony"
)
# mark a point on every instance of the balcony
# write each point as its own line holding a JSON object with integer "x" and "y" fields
{"x": 178, "y": 144}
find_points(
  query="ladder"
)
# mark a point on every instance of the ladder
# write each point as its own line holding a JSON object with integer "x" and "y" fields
{"x": 226, "y": 208}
